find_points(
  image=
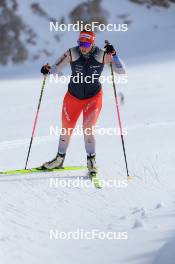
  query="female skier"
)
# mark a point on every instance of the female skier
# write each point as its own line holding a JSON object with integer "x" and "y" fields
{"x": 85, "y": 97}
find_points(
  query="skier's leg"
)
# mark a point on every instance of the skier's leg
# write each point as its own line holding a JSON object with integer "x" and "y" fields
{"x": 71, "y": 111}
{"x": 91, "y": 111}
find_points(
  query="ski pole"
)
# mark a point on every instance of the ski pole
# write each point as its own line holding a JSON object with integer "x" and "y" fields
{"x": 119, "y": 119}
{"x": 36, "y": 118}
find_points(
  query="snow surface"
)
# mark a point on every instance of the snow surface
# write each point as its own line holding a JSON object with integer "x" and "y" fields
{"x": 145, "y": 208}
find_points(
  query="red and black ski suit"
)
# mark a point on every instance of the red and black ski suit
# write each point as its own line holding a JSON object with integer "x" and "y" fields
{"x": 83, "y": 97}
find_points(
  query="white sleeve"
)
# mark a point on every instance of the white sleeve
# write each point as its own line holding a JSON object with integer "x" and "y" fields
{"x": 61, "y": 63}
{"x": 117, "y": 63}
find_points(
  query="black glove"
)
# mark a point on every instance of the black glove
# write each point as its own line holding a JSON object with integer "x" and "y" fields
{"x": 45, "y": 69}
{"x": 109, "y": 48}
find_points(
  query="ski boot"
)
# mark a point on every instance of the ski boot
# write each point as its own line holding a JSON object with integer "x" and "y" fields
{"x": 91, "y": 164}
{"x": 93, "y": 172}
{"x": 56, "y": 163}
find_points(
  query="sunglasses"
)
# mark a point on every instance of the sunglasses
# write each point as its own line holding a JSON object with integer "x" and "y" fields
{"x": 84, "y": 44}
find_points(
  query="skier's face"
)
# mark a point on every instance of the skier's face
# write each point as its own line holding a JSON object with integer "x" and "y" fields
{"x": 85, "y": 50}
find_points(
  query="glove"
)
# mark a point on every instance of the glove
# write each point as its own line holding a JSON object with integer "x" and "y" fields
{"x": 45, "y": 69}
{"x": 109, "y": 48}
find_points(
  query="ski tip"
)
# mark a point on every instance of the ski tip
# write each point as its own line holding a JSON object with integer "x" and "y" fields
{"x": 130, "y": 178}
{"x": 97, "y": 184}
{"x": 96, "y": 181}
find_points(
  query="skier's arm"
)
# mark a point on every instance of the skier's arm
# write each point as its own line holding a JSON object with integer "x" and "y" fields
{"x": 112, "y": 56}
{"x": 60, "y": 63}
{"x": 117, "y": 64}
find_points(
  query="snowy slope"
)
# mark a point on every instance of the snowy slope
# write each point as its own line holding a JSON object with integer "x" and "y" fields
{"x": 144, "y": 209}
{"x": 150, "y": 33}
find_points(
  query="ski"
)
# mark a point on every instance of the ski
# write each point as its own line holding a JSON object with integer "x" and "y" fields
{"x": 93, "y": 175}
{"x": 35, "y": 170}
{"x": 95, "y": 179}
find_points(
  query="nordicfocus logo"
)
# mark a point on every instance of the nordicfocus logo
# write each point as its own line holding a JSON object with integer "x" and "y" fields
{"x": 81, "y": 234}
{"x": 93, "y": 26}
{"x": 89, "y": 79}
{"x": 94, "y": 130}
{"x": 79, "y": 182}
